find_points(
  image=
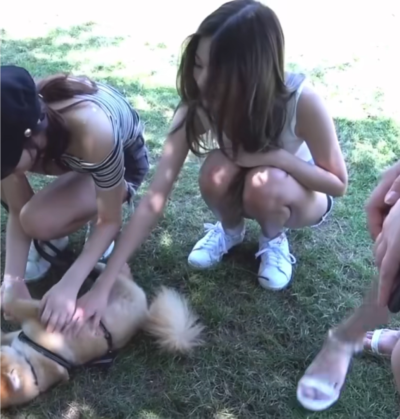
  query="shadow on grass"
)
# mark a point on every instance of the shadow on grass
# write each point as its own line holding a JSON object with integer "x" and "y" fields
{"x": 258, "y": 343}
{"x": 47, "y": 55}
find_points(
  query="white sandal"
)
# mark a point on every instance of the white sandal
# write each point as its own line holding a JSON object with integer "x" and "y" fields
{"x": 329, "y": 389}
{"x": 376, "y": 337}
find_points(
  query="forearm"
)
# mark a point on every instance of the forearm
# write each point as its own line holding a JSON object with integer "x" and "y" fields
{"x": 17, "y": 248}
{"x": 16, "y": 192}
{"x": 150, "y": 207}
{"x": 96, "y": 245}
{"x": 135, "y": 233}
{"x": 312, "y": 177}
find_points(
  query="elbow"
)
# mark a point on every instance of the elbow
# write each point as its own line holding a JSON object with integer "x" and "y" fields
{"x": 340, "y": 189}
{"x": 339, "y": 193}
{"x": 110, "y": 224}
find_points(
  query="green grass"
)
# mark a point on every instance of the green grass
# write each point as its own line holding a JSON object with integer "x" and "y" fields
{"x": 258, "y": 344}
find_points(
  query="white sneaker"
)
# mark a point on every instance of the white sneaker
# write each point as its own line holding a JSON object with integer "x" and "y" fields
{"x": 107, "y": 253}
{"x": 37, "y": 267}
{"x": 209, "y": 250}
{"x": 275, "y": 270}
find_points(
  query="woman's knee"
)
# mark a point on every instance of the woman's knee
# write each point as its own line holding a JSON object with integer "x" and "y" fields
{"x": 37, "y": 222}
{"x": 265, "y": 189}
{"x": 216, "y": 174}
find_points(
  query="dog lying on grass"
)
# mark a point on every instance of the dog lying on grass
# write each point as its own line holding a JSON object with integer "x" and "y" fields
{"x": 33, "y": 360}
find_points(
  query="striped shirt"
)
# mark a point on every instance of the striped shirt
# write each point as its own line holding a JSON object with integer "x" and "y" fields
{"x": 127, "y": 127}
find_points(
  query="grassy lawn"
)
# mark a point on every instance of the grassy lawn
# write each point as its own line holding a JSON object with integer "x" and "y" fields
{"x": 258, "y": 344}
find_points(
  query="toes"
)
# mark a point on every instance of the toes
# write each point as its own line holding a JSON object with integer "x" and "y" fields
{"x": 317, "y": 393}
{"x": 380, "y": 341}
{"x": 314, "y": 394}
{"x": 367, "y": 343}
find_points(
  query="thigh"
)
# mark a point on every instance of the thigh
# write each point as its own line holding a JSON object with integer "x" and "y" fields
{"x": 69, "y": 198}
{"x": 218, "y": 169}
{"x": 306, "y": 207}
{"x": 136, "y": 165}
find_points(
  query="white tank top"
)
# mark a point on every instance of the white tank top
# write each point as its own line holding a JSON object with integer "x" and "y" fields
{"x": 288, "y": 138}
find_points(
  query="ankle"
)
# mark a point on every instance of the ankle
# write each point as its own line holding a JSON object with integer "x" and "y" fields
{"x": 235, "y": 230}
{"x": 272, "y": 234}
{"x": 351, "y": 343}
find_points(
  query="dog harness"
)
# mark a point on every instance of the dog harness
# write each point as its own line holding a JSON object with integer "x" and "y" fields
{"x": 105, "y": 360}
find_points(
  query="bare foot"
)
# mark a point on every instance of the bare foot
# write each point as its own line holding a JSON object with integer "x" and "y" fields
{"x": 320, "y": 386}
{"x": 381, "y": 341}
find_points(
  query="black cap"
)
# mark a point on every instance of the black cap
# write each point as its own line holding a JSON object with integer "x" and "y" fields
{"x": 20, "y": 114}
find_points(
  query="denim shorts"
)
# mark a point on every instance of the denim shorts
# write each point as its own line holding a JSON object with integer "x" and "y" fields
{"x": 136, "y": 167}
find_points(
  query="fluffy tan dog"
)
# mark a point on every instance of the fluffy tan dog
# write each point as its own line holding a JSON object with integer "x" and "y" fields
{"x": 27, "y": 369}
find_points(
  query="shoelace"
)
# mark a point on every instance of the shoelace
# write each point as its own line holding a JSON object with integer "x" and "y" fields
{"x": 275, "y": 253}
{"x": 214, "y": 237}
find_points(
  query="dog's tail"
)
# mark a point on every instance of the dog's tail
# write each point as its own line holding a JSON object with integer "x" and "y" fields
{"x": 173, "y": 323}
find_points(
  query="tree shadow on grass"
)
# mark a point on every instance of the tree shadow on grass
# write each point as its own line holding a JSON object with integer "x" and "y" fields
{"x": 258, "y": 343}
{"x": 47, "y": 55}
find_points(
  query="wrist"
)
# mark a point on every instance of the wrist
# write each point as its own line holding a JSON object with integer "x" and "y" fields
{"x": 103, "y": 284}
{"x": 72, "y": 282}
{"x": 11, "y": 278}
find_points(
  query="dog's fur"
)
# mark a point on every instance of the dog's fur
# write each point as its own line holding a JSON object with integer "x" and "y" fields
{"x": 169, "y": 320}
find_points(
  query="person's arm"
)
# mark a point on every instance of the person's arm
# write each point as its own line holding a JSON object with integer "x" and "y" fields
{"x": 97, "y": 144}
{"x": 109, "y": 204}
{"x": 315, "y": 125}
{"x": 16, "y": 191}
{"x": 382, "y": 198}
{"x": 151, "y": 205}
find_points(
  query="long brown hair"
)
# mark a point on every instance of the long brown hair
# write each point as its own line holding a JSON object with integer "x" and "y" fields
{"x": 53, "y": 89}
{"x": 245, "y": 89}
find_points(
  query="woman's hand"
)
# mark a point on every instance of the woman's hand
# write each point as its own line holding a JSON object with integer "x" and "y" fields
{"x": 385, "y": 195}
{"x": 89, "y": 308}
{"x": 12, "y": 288}
{"x": 387, "y": 253}
{"x": 58, "y": 306}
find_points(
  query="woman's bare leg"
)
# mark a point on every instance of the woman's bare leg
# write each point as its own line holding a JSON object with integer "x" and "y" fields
{"x": 59, "y": 209}
{"x": 219, "y": 191}
{"x": 271, "y": 197}
{"x": 320, "y": 386}
{"x": 277, "y": 201}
